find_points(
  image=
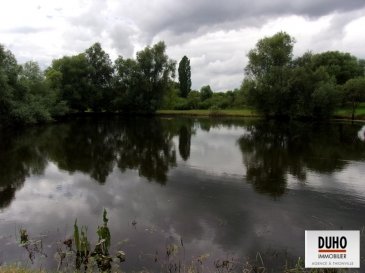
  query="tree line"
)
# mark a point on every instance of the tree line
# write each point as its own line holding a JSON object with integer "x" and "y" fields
{"x": 309, "y": 86}
{"x": 88, "y": 81}
{"x": 275, "y": 83}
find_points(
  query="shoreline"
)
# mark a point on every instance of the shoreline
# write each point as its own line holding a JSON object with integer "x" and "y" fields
{"x": 242, "y": 113}
{"x": 204, "y": 113}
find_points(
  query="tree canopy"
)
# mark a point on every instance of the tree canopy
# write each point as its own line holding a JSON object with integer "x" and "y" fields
{"x": 268, "y": 71}
{"x": 143, "y": 82}
{"x": 309, "y": 86}
{"x": 275, "y": 84}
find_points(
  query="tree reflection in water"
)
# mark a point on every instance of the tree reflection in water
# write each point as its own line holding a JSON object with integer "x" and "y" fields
{"x": 271, "y": 151}
{"x": 93, "y": 147}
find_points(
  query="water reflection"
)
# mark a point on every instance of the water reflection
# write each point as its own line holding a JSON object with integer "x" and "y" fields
{"x": 218, "y": 176}
{"x": 19, "y": 159}
{"x": 146, "y": 146}
{"x": 272, "y": 151}
{"x": 361, "y": 133}
{"x": 185, "y": 142}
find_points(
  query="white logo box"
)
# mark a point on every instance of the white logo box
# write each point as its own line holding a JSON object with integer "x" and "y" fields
{"x": 332, "y": 249}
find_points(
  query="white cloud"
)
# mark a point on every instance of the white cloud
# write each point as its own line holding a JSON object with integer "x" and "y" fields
{"x": 215, "y": 35}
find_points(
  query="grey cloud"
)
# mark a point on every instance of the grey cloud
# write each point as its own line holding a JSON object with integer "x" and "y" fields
{"x": 190, "y": 15}
{"x": 199, "y": 29}
{"x": 122, "y": 37}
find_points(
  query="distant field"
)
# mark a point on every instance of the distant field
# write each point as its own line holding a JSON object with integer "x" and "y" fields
{"x": 225, "y": 112}
{"x": 344, "y": 113}
{"x": 347, "y": 111}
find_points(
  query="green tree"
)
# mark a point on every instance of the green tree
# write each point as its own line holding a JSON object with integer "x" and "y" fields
{"x": 33, "y": 100}
{"x": 125, "y": 84}
{"x": 269, "y": 70}
{"x": 100, "y": 77}
{"x": 5, "y": 83}
{"x": 70, "y": 75}
{"x": 355, "y": 93}
{"x": 193, "y": 99}
{"x": 171, "y": 96}
{"x": 142, "y": 83}
{"x": 184, "y": 76}
{"x": 24, "y": 95}
{"x": 313, "y": 91}
{"x": 342, "y": 66}
{"x": 206, "y": 92}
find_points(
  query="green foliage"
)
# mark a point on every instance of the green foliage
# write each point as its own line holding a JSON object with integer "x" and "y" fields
{"x": 342, "y": 66}
{"x": 325, "y": 100}
{"x": 184, "y": 77}
{"x": 215, "y": 111}
{"x": 77, "y": 236}
{"x": 25, "y": 96}
{"x": 355, "y": 89}
{"x": 268, "y": 71}
{"x": 354, "y": 92}
{"x": 100, "y": 76}
{"x": 302, "y": 88}
{"x": 275, "y": 85}
{"x": 104, "y": 234}
{"x": 206, "y": 92}
{"x": 170, "y": 97}
{"x": 70, "y": 76}
{"x": 313, "y": 91}
{"x": 141, "y": 84}
{"x": 8, "y": 68}
{"x": 82, "y": 243}
{"x": 193, "y": 99}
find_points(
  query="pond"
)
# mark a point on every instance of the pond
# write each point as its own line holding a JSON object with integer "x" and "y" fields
{"x": 212, "y": 190}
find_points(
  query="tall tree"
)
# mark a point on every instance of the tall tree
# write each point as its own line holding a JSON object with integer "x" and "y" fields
{"x": 142, "y": 83}
{"x": 24, "y": 97}
{"x": 184, "y": 76}
{"x": 313, "y": 91}
{"x": 5, "y": 88}
{"x": 355, "y": 93}
{"x": 206, "y": 92}
{"x": 70, "y": 75}
{"x": 269, "y": 68}
{"x": 100, "y": 76}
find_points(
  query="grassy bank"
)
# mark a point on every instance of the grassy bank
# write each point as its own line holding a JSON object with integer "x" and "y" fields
{"x": 342, "y": 113}
{"x": 346, "y": 112}
{"x": 226, "y": 112}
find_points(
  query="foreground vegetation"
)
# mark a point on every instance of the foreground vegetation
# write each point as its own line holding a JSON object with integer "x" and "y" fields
{"x": 78, "y": 254}
{"x": 249, "y": 269}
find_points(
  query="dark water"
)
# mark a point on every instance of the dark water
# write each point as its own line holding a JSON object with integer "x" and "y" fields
{"x": 213, "y": 189}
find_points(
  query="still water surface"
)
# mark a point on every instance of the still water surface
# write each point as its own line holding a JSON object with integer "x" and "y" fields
{"x": 221, "y": 188}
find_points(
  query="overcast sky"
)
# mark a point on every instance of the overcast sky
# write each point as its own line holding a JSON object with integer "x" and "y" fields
{"x": 216, "y": 35}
